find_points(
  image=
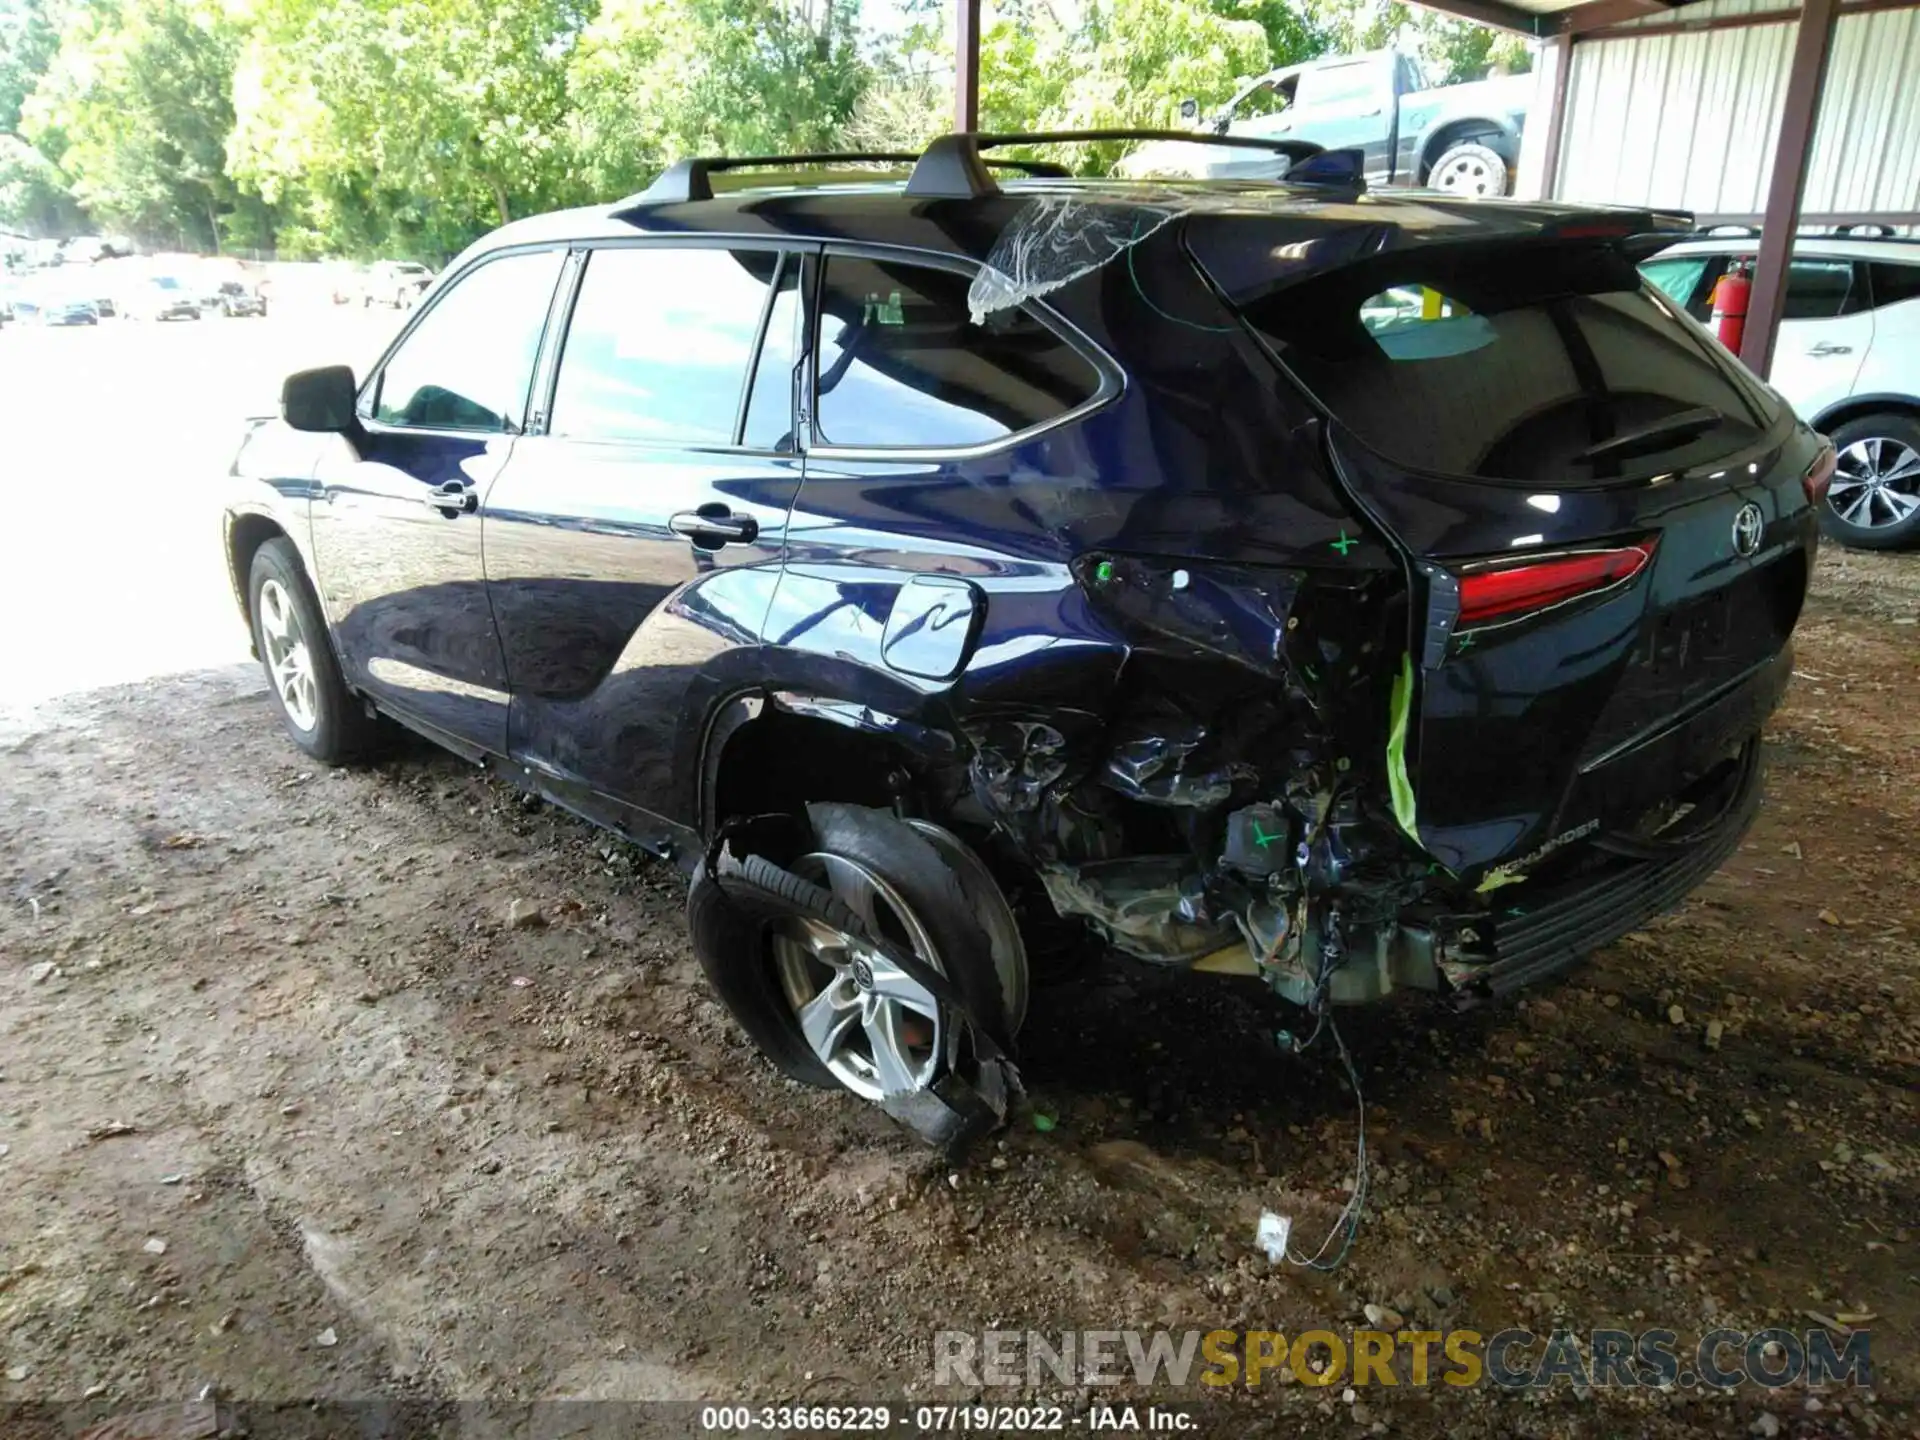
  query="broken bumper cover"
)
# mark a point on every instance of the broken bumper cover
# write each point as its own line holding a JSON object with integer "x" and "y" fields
{"x": 1547, "y": 933}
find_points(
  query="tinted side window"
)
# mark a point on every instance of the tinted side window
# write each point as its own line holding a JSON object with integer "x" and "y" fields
{"x": 660, "y": 343}
{"x": 1894, "y": 283}
{"x": 1821, "y": 289}
{"x": 1338, "y": 85}
{"x": 467, "y": 364}
{"x": 902, "y": 363}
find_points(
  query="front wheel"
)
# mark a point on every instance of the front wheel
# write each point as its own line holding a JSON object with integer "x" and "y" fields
{"x": 1874, "y": 500}
{"x": 290, "y": 634}
{"x": 1469, "y": 169}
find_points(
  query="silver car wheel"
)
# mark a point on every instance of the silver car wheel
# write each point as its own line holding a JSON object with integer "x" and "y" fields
{"x": 1876, "y": 483}
{"x": 876, "y": 1028}
{"x": 289, "y": 663}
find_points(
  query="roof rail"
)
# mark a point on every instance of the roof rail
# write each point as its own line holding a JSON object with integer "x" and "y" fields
{"x": 952, "y": 168}
{"x": 690, "y": 179}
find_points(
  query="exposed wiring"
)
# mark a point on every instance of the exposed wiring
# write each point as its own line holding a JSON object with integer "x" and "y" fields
{"x": 1134, "y": 276}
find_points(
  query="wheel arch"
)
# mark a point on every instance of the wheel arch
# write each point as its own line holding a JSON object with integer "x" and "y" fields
{"x": 1496, "y": 135}
{"x": 247, "y": 531}
{"x": 1858, "y": 407}
{"x": 776, "y": 750}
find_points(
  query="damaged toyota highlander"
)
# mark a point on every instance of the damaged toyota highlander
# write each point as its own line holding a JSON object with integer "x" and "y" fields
{"x": 1367, "y": 593}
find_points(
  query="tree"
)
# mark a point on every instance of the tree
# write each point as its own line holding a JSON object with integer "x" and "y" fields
{"x": 657, "y": 79}
{"x": 135, "y": 108}
{"x": 29, "y": 38}
{"x": 425, "y": 120}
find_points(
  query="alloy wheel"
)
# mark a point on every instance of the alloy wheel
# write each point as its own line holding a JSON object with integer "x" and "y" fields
{"x": 876, "y": 1028}
{"x": 1876, "y": 483}
{"x": 289, "y": 662}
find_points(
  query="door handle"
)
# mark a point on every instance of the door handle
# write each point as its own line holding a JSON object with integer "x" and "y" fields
{"x": 452, "y": 496}
{"x": 1827, "y": 347}
{"x": 712, "y": 526}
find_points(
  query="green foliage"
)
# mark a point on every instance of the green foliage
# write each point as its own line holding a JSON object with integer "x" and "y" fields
{"x": 653, "y": 79}
{"x": 135, "y": 107}
{"x": 409, "y": 127}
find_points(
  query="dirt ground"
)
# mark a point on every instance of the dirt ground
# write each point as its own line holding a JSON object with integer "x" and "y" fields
{"x": 290, "y": 1111}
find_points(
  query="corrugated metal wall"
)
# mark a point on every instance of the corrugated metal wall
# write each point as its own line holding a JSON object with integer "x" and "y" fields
{"x": 1690, "y": 120}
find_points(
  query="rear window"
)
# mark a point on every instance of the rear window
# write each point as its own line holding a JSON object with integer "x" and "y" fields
{"x": 1536, "y": 364}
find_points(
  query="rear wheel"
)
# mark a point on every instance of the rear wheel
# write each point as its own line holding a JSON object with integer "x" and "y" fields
{"x": 1874, "y": 501}
{"x": 290, "y": 634}
{"x": 827, "y": 1007}
{"x": 1469, "y": 169}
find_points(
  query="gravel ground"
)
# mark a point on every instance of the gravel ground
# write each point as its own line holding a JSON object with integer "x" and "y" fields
{"x": 289, "y": 1109}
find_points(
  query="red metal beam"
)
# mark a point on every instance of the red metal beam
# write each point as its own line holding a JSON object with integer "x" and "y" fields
{"x": 1598, "y": 14}
{"x": 1806, "y": 80}
{"x": 966, "y": 65}
{"x": 1681, "y": 25}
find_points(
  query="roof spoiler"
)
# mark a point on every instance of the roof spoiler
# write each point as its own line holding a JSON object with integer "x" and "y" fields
{"x": 952, "y": 167}
{"x": 691, "y": 178}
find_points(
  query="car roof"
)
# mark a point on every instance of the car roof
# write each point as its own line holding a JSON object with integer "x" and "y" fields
{"x": 1843, "y": 247}
{"x": 883, "y": 214}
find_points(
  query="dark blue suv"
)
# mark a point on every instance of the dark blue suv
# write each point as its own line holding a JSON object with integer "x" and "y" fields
{"x": 1366, "y": 592}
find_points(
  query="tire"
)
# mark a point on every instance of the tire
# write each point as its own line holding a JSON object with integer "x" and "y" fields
{"x": 1470, "y": 168}
{"x": 325, "y": 719}
{"x": 1877, "y": 473}
{"x": 746, "y": 950}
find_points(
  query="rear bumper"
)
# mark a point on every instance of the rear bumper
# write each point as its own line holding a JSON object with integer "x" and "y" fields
{"x": 1543, "y": 934}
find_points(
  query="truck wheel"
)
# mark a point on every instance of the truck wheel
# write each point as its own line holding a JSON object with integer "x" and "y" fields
{"x": 1469, "y": 169}
{"x": 828, "y": 1010}
{"x": 1874, "y": 501}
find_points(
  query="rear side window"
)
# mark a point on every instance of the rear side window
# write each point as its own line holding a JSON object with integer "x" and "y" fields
{"x": 1541, "y": 363}
{"x": 468, "y": 362}
{"x": 901, "y": 362}
{"x": 1894, "y": 283}
{"x": 662, "y": 342}
{"x": 1822, "y": 290}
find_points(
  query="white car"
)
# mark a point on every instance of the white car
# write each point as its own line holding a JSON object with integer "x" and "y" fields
{"x": 1847, "y": 360}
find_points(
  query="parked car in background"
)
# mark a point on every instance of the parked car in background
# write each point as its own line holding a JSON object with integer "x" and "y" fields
{"x": 162, "y": 297}
{"x": 1847, "y": 359}
{"x": 1360, "y": 597}
{"x": 1460, "y": 138}
{"x": 236, "y": 297}
{"x": 399, "y": 283}
{"x": 56, "y": 307}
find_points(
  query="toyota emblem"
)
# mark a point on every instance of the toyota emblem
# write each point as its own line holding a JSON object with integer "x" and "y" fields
{"x": 1746, "y": 530}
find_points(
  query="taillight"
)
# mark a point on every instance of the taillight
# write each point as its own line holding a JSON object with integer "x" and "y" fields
{"x": 1819, "y": 474}
{"x": 1507, "y": 590}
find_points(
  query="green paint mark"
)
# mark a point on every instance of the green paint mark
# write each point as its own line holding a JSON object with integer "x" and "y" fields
{"x": 1343, "y": 544}
{"x": 1043, "y": 1123}
{"x": 1466, "y": 643}
{"x": 1103, "y": 572}
{"x": 1262, "y": 839}
{"x": 1515, "y": 910}
{"x": 1399, "y": 783}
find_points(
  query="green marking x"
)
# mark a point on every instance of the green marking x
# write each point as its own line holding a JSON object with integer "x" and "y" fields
{"x": 1262, "y": 839}
{"x": 1466, "y": 643}
{"x": 1343, "y": 544}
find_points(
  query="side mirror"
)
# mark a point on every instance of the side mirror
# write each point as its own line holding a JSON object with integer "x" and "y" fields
{"x": 1189, "y": 109}
{"x": 320, "y": 400}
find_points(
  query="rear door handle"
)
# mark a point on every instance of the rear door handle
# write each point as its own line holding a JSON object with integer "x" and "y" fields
{"x": 712, "y": 526}
{"x": 452, "y": 496}
{"x": 1827, "y": 347}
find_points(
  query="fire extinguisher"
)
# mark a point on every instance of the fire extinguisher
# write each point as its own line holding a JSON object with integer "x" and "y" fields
{"x": 1730, "y": 295}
